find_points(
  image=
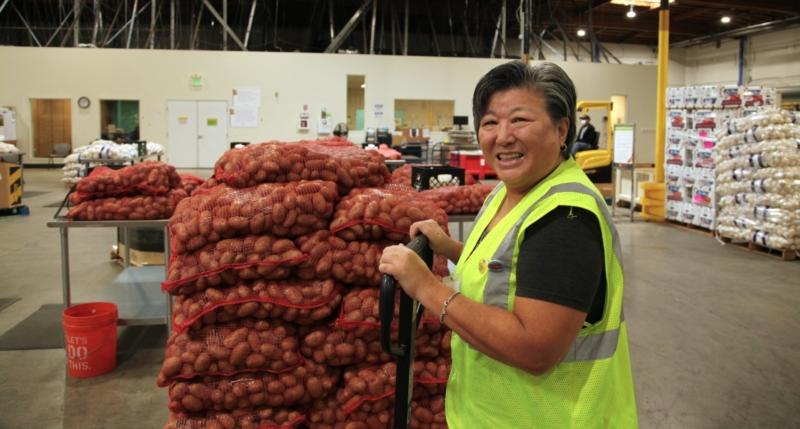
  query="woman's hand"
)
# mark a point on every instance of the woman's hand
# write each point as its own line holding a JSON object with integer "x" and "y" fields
{"x": 438, "y": 240}
{"x": 408, "y": 269}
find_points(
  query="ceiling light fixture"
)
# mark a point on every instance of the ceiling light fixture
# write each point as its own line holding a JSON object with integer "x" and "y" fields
{"x": 631, "y": 13}
{"x": 725, "y": 19}
{"x": 581, "y": 33}
{"x": 363, "y": 85}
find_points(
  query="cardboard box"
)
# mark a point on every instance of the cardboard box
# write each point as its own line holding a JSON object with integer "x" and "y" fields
{"x": 416, "y": 135}
{"x": 140, "y": 258}
{"x": 10, "y": 185}
{"x": 397, "y": 138}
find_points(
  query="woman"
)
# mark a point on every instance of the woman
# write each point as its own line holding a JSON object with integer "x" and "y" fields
{"x": 535, "y": 304}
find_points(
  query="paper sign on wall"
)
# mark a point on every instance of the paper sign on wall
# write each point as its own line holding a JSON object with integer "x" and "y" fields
{"x": 246, "y": 97}
{"x": 183, "y": 120}
{"x": 244, "y": 117}
{"x": 211, "y": 122}
{"x": 379, "y": 111}
{"x": 324, "y": 126}
{"x": 623, "y": 144}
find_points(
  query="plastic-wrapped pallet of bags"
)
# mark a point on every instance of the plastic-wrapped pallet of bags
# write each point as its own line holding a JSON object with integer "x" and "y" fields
{"x": 274, "y": 162}
{"x": 459, "y": 199}
{"x": 128, "y": 208}
{"x": 283, "y": 209}
{"x": 759, "y": 179}
{"x": 8, "y": 148}
{"x": 244, "y": 418}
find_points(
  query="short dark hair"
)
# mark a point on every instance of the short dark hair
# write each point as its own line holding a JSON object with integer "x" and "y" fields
{"x": 547, "y": 79}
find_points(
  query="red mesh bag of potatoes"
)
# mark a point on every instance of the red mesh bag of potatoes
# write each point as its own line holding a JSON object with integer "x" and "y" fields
{"x": 274, "y": 162}
{"x": 190, "y": 182}
{"x": 299, "y": 386}
{"x": 145, "y": 178}
{"x": 383, "y": 213}
{"x": 139, "y": 207}
{"x": 367, "y": 398}
{"x": 402, "y": 175}
{"x": 205, "y": 186}
{"x": 229, "y": 261}
{"x": 354, "y": 263}
{"x": 339, "y": 345}
{"x": 245, "y": 345}
{"x": 283, "y": 209}
{"x": 246, "y": 418}
{"x": 331, "y": 141}
{"x": 303, "y": 302}
{"x": 459, "y": 199}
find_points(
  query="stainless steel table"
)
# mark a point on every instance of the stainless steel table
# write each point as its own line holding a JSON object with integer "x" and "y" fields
{"x": 136, "y": 290}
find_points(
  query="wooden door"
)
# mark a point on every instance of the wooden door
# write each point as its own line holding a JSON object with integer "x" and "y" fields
{"x": 52, "y": 124}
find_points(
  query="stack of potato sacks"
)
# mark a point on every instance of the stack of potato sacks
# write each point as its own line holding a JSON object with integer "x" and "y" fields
{"x": 275, "y": 273}
{"x": 148, "y": 190}
{"x": 465, "y": 199}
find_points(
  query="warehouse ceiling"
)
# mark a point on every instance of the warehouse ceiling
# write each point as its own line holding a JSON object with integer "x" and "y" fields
{"x": 436, "y": 27}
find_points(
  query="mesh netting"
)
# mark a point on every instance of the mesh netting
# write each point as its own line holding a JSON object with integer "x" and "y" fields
{"x": 128, "y": 208}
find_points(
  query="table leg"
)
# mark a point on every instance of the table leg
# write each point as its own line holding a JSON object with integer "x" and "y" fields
{"x": 65, "y": 267}
{"x": 126, "y": 237}
{"x": 461, "y": 231}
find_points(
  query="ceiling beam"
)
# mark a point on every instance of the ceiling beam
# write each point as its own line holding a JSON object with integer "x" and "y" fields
{"x": 782, "y": 6}
{"x": 591, "y": 6}
{"x": 647, "y": 26}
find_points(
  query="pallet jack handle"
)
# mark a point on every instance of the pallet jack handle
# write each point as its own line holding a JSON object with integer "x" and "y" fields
{"x": 410, "y": 315}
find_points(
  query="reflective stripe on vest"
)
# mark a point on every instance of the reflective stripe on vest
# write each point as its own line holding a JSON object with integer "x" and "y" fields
{"x": 495, "y": 293}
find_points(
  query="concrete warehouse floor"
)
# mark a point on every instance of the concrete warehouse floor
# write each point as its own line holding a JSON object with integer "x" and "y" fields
{"x": 713, "y": 330}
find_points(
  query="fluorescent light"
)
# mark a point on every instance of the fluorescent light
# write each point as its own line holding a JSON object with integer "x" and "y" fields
{"x": 725, "y": 19}
{"x": 363, "y": 85}
{"x": 581, "y": 33}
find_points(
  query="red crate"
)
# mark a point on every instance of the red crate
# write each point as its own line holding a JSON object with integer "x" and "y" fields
{"x": 472, "y": 164}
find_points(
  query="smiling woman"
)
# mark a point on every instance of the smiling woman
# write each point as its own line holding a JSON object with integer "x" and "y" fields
{"x": 536, "y": 299}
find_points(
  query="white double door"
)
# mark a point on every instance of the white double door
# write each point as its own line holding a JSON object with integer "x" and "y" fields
{"x": 197, "y": 132}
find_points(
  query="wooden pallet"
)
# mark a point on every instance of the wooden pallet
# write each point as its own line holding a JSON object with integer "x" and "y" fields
{"x": 20, "y": 210}
{"x": 688, "y": 227}
{"x": 783, "y": 255}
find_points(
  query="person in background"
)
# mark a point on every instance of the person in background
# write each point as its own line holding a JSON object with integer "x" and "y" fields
{"x": 586, "y": 136}
{"x": 535, "y": 302}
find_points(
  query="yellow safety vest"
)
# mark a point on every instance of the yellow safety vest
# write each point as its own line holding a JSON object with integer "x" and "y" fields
{"x": 592, "y": 386}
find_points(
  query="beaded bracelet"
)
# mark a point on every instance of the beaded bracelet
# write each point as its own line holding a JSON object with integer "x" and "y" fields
{"x": 446, "y": 303}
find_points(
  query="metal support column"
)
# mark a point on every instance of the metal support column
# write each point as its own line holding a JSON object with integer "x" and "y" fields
{"x": 372, "y": 30}
{"x": 249, "y": 23}
{"x": 26, "y": 25}
{"x": 526, "y": 32}
{"x": 195, "y": 38}
{"x": 503, "y": 30}
{"x": 330, "y": 18}
{"x": 55, "y": 33}
{"x": 663, "y": 78}
{"x": 172, "y": 24}
{"x": 153, "y": 25}
{"x": 346, "y": 30}
{"x": 167, "y": 257}
{"x": 405, "y": 33}
{"x": 97, "y": 19}
{"x": 393, "y": 19}
{"x": 433, "y": 30}
{"x": 132, "y": 22}
{"x": 77, "y": 14}
{"x": 225, "y": 25}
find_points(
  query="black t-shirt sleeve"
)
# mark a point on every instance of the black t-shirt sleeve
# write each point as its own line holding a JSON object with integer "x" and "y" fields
{"x": 561, "y": 261}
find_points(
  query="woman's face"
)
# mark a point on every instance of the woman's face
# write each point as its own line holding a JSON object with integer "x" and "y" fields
{"x": 518, "y": 138}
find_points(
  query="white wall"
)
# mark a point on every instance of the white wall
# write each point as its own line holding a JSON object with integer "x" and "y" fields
{"x": 287, "y": 81}
{"x": 771, "y": 59}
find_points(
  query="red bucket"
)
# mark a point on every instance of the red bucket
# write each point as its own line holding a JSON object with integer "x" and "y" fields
{"x": 91, "y": 331}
